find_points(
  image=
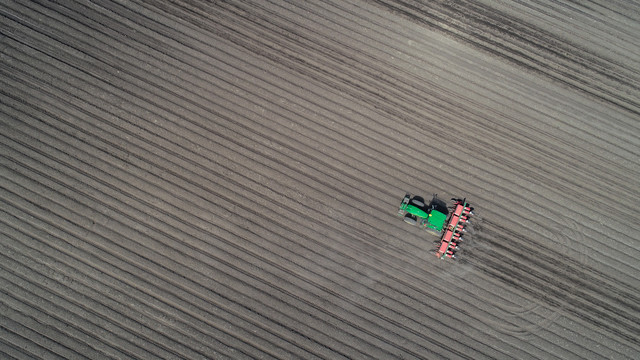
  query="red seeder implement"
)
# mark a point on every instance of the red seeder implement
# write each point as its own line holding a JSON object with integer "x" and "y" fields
{"x": 452, "y": 234}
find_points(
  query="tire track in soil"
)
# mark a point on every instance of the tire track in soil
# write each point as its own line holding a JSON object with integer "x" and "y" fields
{"x": 556, "y": 293}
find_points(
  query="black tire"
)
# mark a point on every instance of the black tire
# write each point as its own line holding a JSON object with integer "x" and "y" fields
{"x": 439, "y": 205}
{"x": 418, "y": 201}
{"x": 410, "y": 219}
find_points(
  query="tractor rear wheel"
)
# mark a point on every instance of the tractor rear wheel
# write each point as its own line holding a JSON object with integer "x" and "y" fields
{"x": 439, "y": 205}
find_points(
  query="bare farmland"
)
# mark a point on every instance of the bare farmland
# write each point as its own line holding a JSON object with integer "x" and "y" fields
{"x": 220, "y": 180}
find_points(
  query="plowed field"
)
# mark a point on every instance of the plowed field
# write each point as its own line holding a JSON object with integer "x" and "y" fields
{"x": 187, "y": 179}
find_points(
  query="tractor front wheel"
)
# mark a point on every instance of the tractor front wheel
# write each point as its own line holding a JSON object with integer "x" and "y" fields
{"x": 410, "y": 219}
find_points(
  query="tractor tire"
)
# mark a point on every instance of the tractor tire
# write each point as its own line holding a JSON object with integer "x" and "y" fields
{"x": 418, "y": 201}
{"x": 439, "y": 205}
{"x": 410, "y": 219}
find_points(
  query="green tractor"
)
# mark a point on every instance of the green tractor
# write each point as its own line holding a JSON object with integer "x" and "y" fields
{"x": 436, "y": 218}
{"x": 431, "y": 217}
